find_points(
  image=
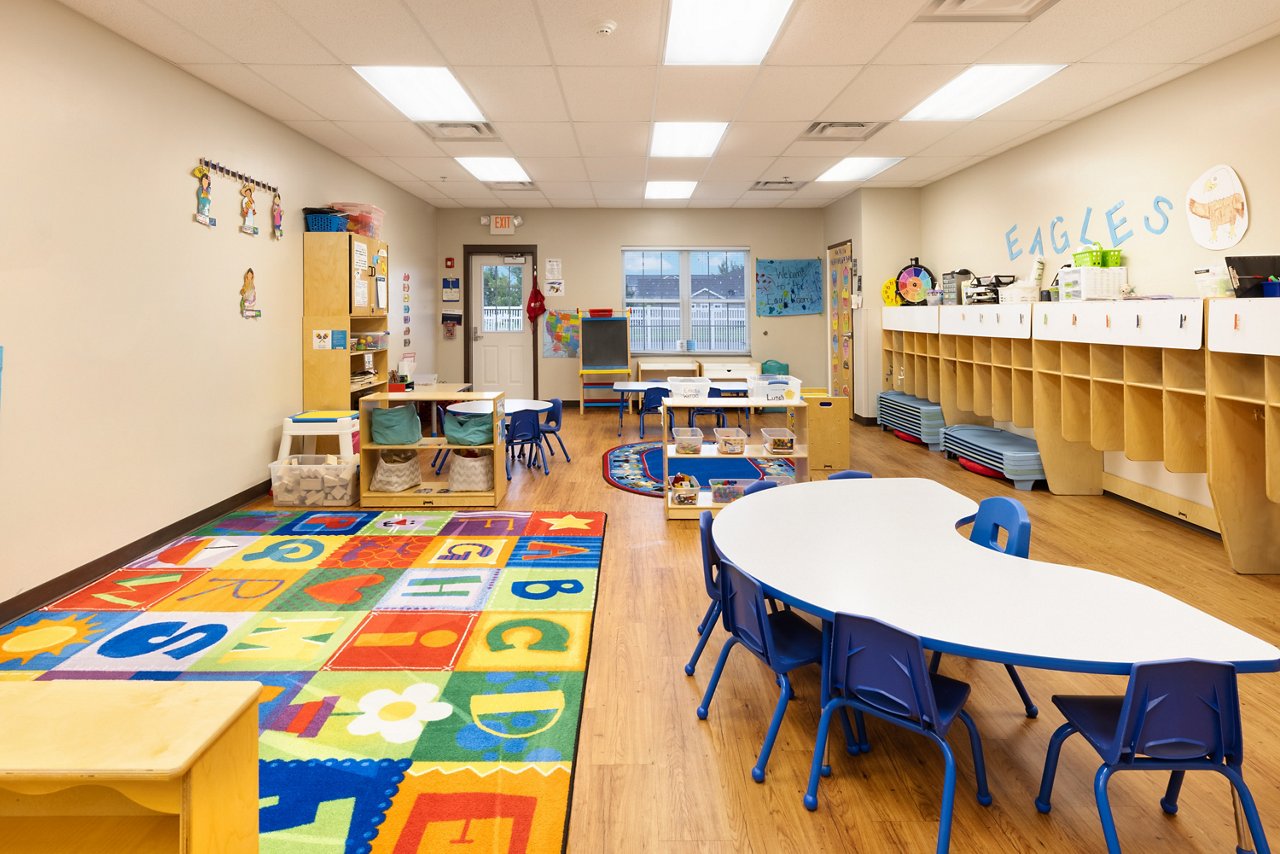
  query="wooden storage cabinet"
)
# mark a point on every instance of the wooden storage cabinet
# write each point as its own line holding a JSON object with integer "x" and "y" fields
{"x": 827, "y": 418}
{"x": 341, "y": 294}
{"x": 435, "y": 492}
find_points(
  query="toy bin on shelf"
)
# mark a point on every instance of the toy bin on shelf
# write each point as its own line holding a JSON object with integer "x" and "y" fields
{"x": 779, "y": 440}
{"x": 322, "y": 219}
{"x": 684, "y": 489}
{"x": 730, "y": 440}
{"x": 725, "y": 491}
{"x": 303, "y": 480}
{"x": 362, "y": 218}
{"x": 780, "y": 387}
{"x": 688, "y": 440}
{"x": 780, "y": 479}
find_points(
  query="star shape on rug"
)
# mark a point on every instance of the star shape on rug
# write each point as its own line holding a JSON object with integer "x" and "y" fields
{"x": 567, "y": 522}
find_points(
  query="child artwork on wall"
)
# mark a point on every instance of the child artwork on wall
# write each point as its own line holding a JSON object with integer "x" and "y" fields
{"x": 204, "y": 200}
{"x": 249, "y": 297}
{"x": 247, "y": 209}
{"x": 1217, "y": 212}
{"x": 277, "y": 217}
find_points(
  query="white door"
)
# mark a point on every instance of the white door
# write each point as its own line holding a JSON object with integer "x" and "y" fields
{"x": 501, "y": 348}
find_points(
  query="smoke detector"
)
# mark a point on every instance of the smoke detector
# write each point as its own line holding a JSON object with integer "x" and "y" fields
{"x": 606, "y": 28}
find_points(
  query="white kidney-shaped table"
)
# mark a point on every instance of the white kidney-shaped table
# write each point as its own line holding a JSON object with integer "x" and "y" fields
{"x": 887, "y": 548}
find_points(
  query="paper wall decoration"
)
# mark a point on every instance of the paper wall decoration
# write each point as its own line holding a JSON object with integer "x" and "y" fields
{"x": 1217, "y": 212}
{"x": 563, "y": 335}
{"x": 277, "y": 217}
{"x": 788, "y": 287}
{"x": 204, "y": 196}
{"x": 247, "y": 210}
{"x": 249, "y": 297}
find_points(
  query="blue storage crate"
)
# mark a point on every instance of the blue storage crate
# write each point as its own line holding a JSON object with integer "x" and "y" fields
{"x": 326, "y": 222}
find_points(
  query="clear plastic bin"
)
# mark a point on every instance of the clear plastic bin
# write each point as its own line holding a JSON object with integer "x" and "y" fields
{"x": 774, "y": 387}
{"x": 731, "y": 440}
{"x": 684, "y": 489}
{"x": 781, "y": 479}
{"x": 688, "y": 440}
{"x": 685, "y": 387}
{"x": 315, "y": 481}
{"x": 727, "y": 491}
{"x": 779, "y": 440}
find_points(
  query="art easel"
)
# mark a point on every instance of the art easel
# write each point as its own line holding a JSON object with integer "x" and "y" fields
{"x": 604, "y": 355}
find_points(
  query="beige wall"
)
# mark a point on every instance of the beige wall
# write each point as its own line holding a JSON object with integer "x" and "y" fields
{"x": 589, "y": 242}
{"x": 133, "y": 393}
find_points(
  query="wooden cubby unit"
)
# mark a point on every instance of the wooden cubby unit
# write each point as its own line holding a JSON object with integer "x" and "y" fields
{"x": 1143, "y": 367}
{"x": 1106, "y": 362}
{"x": 1106, "y": 411}
{"x": 1075, "y": 360}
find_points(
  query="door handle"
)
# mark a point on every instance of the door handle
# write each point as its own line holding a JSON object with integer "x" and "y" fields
{"x": 475, "y": 333}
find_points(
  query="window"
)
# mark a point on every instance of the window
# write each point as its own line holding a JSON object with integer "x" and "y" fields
{"x": 680, "y": 295}
{"x": 503, "y": 307}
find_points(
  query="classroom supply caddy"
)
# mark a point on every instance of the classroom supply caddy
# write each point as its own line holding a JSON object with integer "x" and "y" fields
{"x": 303, "y": 480}
{"x": 1091, "y": 283}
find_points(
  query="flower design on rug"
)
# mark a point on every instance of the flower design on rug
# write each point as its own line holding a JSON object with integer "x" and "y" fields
{"x": 399, "y": 717}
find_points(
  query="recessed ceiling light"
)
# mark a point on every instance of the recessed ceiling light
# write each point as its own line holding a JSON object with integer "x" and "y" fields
{"x": 857, "y": 168}
{"x": 686, "y": 139}
{"x": 979, "y": 90}
{"x": 422, "y": 93}
{"x": 493, "y": 168}
{"x": 669, "y": 189}
{"x": 722, "y": 32}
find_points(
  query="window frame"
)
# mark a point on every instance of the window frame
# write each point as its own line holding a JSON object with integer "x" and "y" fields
{"x": 686, "y": 296}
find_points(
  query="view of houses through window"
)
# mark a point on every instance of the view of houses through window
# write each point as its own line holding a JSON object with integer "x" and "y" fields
{"x": 676, "y": 295}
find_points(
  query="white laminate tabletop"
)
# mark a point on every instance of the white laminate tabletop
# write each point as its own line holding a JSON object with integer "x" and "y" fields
{"x": 512, "y": 404}
{"x": 642, "y": 385}
{"x": 887, "y": 548}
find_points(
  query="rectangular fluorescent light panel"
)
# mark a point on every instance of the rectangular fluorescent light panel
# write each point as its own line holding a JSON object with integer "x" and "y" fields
{"x": 857, "y": 168}
{"x": 723, "y": 32}
{"x": 979, "y": 90}
{"x": 493, "y": 168}
{"x": 669, "y": 189}
{"x": 423, "y": 94}
{"x": 686, "y": 139}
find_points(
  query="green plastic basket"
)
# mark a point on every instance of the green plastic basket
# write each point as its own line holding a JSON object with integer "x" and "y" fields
{"x": 1112, "y": 258}
{"x": 1089, "y": 257}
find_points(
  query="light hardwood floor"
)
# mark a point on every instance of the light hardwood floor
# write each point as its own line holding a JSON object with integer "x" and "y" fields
{"x": 651, "y": 777}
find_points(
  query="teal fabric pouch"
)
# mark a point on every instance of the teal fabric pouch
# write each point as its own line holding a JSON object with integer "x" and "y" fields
{"x": 396, "y": 425}
{"x": 468, "y": 429}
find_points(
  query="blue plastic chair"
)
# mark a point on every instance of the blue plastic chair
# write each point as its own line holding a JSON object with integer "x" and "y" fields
{"x": 849, "y": 474}
{"x": 879, "y": 669}
{"x": 780, "y": 639}
{"x": 524, "y": 432}
{"x": 1007, "y": 514}
{"x": 1176, "y": 716}
{"x": 717, "y": 411}
{"x": 651, "y": 404}
{"x": 758, "y": 486}
{"x": 443, "y": 454}
{"x": 710, "y": 570}
{"x": 551, "y": 427}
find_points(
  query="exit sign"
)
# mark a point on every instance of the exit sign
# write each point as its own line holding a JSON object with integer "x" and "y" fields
{"x": 502, "y": 224}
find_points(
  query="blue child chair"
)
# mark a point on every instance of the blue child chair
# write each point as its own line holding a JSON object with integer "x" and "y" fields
{"x": 758, "y": 486}
{"x": 551, "y": 427}
{"x": 710, "y": 566}
{"x": 780, "y": 639}
{"x": 849, "y": 474}
{"x": 717, "y": 411}
{"x": 1007, "y": 514}
{"x": 524, "y": 432}
{"x": 443, "y": 454}
{"x": 1176, "y": 716}
{"x": 880, "y": 669}
{"x": 651, "y": 404}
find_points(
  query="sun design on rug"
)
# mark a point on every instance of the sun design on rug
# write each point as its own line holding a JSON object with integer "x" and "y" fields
{"x": 52, "y": 636}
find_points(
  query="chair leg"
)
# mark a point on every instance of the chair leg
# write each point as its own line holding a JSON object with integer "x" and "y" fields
{"x": 542, "y": 454}
{"x": 819, "y": 748}
{"x": 852, "y": 743}
{"x": 1030, "y": 707}
{"x": 934, "y": 662}
{"x": 1252, "y": 819}
{"x": 509, "y": 453}
{"x": 560, "y": 442}
{"x": 1060, "y": 735}
{"x": 1169, "y": 803}
{"x": 447, "y": 452}
{"x": 948, "y": 795}
{"x": 708, "y": 626}
{"x": 711, "y": 609}
{"x": 1100, "y": 782}
{"x": 715, "y": 678}
{"x": 979, "y": 762}
{"x": 757, "y": 773}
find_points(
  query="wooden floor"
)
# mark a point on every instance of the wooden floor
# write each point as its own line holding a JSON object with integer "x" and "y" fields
{"x": 651, "y": 777}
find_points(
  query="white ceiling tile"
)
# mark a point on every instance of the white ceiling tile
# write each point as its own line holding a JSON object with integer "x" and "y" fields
{"x": 1074, "y": 88}
{"x": 445, "y": 203}
{"x": 613, "y": 139}
{"x": 377, "y": 32}
{"x": 482, "y": 28}
{"x": 1258, "y": 36}
{"x": 434, "y": 169}
{"x": 920, "y": 168}
{"x": 539, "y": 139}
{"x": 615, "y": 168}
{"x": 793, "y": 93}
{"x": 885, "y": 183}
{"x": 759, "y": 139}
{"x": 821, "y": 148}
{"x": 333, "y": 137}
{"x": 701, "y": 94}
{"x": 573, "y": 203}
{"x": 557, "y": 190}
{"x": 676, "y": 168}
{"x": 979, "y": 137}
{"x": 665, "y": 203}
{"x": 839, "y": 32}
{"x": 462, "y": 191}
{"x": 609, "y": 94}
{"x": 515, "y": 94}
{"x": 1190, "y": 30}
{"x": 900, "y": 139}
{"x": 150, "y": 29}
{"x": 822, "y": 190}
{"x": 248, "y": 31}
{"x": 477, "y": 201}
{"x": 554, "y": 168}
{"x": 474, "y": 148}
{"x": 334, "y": 91}
{"x": 724, "y": 168}
{"x": 571, "y": 30}
{"x": 239, "y": 82}
{"x": 393, "y": 139}
{"x": 385, "y": 167}
{"x": 799, "y": 168}
{"x": 1071, "y": 29}
{"x": 724, "y": 190}
{"x": 761, "y": 200}
{"x": 524, "y": 199}
{"x": 422, "y": 190}
{"x": 886, "y": 93}
{"x": 944, "y": 43}
{"x": 618, "y": 190}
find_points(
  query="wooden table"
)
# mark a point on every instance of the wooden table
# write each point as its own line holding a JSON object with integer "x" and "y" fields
{"x": 98, "y": 766}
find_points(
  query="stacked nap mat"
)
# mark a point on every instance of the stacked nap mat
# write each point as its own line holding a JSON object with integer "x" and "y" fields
{"x": 1016, "y": 457}
{"x": 912, "y": 415}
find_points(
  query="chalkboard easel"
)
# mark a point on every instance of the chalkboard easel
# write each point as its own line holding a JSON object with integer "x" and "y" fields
{"x": 604, "y": 354}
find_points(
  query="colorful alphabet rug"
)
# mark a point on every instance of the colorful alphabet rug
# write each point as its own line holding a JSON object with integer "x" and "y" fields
{"x": 637, "y": 467}
{"x": 422, "y": 672}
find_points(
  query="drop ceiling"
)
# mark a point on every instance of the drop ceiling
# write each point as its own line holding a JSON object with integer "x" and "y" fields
{"x": 575, "y": 107}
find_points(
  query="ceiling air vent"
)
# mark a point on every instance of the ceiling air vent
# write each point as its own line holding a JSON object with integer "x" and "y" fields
{"x": 459, "y": 130}
{"x": 842, "y": 131}
{"x": 984, "y": 11}
{"x": 510, "y": 186}
{"x": 784, "y": 185}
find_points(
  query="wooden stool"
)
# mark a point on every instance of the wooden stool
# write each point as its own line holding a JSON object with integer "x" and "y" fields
{"x": 307, "y": 425}
{"x": 129, "y": 766}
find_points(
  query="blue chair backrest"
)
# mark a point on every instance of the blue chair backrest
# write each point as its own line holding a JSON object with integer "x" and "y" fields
{"x": 1007, "y": 513}
{"x": 524, "y": 426}
{"x": 849, "y": 474}
{"x": 1178, "y": 710}
{"x": 555, "y": 413}
{"x": 746, "y": 616}
{"x": 653, "y": 396}
{"x": 710, "y": 558}
{"x": 759, "y": 486}
{"x": 883, "y": 667}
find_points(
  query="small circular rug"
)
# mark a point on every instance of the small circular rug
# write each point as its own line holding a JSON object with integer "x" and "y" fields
{"x": 637, "y": 467}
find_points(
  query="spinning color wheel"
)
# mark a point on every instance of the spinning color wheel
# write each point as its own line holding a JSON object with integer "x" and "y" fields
{"x": 914, "y": 281}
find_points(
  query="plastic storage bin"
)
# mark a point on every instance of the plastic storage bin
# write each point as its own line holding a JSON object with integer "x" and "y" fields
{"x": 370, "y": 340}
{"x": 730, "y": 440}
{"x": 781, "y": 479}
{"x": 684, "y": 489}
{"x": 725, "y": 491}
{"x": 779, "y": 440}
{"x": 1084, "y": 283}
{"x": 362, "y": 218}
{"x": 686, "y": 387}
{"x": 305, "y": 480}
{"x": 688, "y": 440}
{"x": 782, "y": 388}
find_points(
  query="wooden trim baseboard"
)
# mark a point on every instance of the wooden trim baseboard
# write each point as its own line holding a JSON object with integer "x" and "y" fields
{"x": 69, "y": 582}
{"x": 866, "y": 420}
{"x": 1173, "y": 506}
